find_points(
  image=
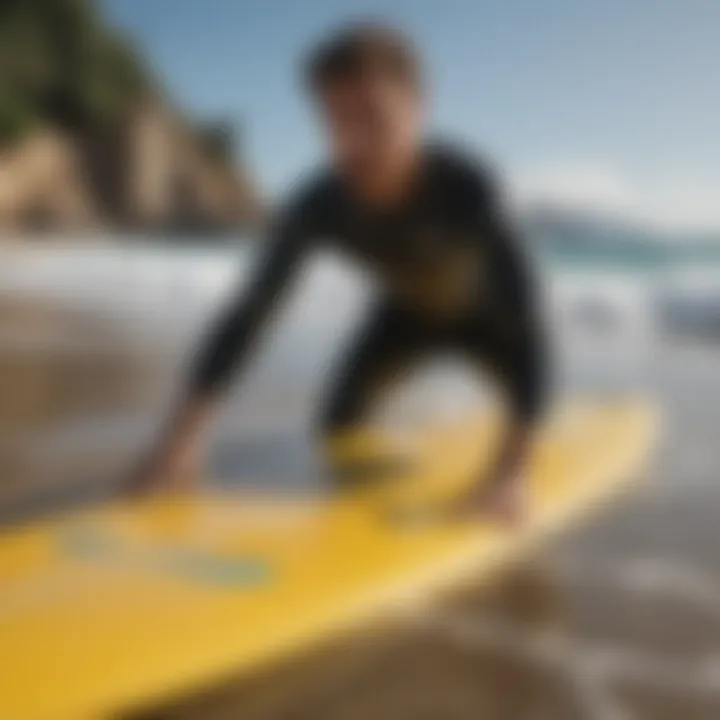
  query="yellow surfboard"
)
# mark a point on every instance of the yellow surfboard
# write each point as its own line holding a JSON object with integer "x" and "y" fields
{"x": 118, "y": 608}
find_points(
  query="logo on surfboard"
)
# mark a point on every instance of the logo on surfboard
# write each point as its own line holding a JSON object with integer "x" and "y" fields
{"x": 197, "y": 566}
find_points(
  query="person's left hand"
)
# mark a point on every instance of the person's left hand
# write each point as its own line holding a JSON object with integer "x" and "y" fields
{"x": 503, "y": 496}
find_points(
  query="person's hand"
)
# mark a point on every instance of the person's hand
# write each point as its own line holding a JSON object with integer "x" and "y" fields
{"x": 173, "y": 464}
{"x": 503, "y": 494}
{"x": 502, "y": 498}
{"x": 164, "y": 469}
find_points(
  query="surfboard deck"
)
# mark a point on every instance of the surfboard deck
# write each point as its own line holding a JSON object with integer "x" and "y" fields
{"x": 120, "y": 607}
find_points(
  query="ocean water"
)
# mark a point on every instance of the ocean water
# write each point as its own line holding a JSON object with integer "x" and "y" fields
{"x": 606, "y": 311}
{"x": 137, "y": 309}
{"x": 619, "y": 619}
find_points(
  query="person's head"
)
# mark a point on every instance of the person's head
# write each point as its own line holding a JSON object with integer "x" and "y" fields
{"x": 366, "y": 80}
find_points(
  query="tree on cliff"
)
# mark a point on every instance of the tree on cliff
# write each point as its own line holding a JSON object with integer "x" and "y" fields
{"x": 60, "y": 63}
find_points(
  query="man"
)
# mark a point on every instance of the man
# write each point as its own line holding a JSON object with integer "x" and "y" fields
{"x": 427, "y": 222}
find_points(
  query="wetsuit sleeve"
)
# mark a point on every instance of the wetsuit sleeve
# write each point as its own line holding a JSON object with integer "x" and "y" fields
{"x": 236, "y": 328}
{"x": 522, "y": 351}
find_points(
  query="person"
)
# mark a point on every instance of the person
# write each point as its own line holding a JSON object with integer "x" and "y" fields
{"x": 428, "y": 221}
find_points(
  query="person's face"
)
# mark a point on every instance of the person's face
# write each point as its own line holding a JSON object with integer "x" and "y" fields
{"x": 374, "y": 126}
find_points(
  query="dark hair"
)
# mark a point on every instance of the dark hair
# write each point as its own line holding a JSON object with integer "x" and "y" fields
{"x": 360, "y": 50}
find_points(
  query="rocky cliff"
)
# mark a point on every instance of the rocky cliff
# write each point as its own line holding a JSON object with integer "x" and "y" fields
{"x": 88, "y": 140}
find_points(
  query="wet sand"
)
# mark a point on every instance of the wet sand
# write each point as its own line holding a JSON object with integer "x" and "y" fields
{"x": 617, "y": 619}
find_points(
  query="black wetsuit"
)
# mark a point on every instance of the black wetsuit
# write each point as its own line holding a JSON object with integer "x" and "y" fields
{"x": 451, "y": 274}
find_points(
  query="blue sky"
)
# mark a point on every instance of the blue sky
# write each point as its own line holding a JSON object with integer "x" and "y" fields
{"x": 604, "y": 102}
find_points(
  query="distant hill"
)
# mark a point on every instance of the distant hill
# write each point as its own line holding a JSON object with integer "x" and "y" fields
{"x": 584, "y": 236}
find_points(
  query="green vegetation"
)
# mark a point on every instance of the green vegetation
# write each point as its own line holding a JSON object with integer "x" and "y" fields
{"x": 60, "y": 63}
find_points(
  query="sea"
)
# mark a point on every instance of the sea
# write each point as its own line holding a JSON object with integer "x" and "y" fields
{"x": 616, "y": 620}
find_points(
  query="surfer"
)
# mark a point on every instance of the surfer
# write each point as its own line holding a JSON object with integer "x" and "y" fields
{"x": 428, "y": 221}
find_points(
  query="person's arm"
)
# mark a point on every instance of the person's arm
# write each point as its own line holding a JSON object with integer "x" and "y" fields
{"x": 521, "y": 362}
{"x": 523, "y": 334}
{"x": 173, "y": 460}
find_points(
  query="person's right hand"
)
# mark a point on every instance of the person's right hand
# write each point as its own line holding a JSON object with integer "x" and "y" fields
{"x": 163, "y": 470}
{"x": 173, "y": 464}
